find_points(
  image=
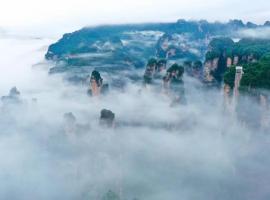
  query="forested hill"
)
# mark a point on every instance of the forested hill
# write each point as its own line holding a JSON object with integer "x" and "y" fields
{"x": 132, "y": 44}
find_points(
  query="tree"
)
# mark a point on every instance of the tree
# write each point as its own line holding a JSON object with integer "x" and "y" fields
{"x": 197, "y": 65}
{"x": 152, "y": 62}
{"x": 219, "y": 46}
{"x": 229, "y": 76}
{"x": 256, "y": 75}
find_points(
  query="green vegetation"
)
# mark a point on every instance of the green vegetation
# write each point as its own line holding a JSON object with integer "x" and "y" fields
{"x": 255, "y": 48}
{"x": 251, "y": 53}
{"x": 197, "y": 64}
{"x": 256, "y": 75}
{"x": 152, "y": 62}
{"x": 229, "y": 76}
{"x": 220, "y": 46}
{"x": 251, "y": 47}
{"x": 178, "y": 69}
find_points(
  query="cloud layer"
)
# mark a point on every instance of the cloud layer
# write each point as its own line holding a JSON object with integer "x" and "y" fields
{"x": 188, "y": 152}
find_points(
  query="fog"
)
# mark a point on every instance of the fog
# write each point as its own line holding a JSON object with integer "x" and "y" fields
{"x": 155, "y": 152}
{"x": 263, "y": 33}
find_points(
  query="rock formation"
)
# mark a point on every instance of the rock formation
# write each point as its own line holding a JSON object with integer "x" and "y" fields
{"x": 248, "y": 84}
{"x": 150, "y": 71}
{"x": 176, "y": 46}
{"x": 223, "y": 53}
{"x": 194, "y": 69}
{"x": 173, "y": 84}
{"x": 107, "y": 118}
{"x": 96, "y": 85}
{"x": 154, "y": 70}
{"x": 13, "y": 97}
{"x": 160, "y": 68}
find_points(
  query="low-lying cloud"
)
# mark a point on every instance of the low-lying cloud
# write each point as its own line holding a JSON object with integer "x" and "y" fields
{"x": 156, "y": 151}
{"x": 263, "y": 33}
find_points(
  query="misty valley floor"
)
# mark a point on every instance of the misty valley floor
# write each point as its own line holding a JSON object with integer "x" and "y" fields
{"x": 208, "y": 155}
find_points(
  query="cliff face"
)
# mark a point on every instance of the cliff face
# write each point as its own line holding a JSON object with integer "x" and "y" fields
{"x": 223, "y": 53}
{"x": 194, "y": 69}
{"x": 210, "y": 66}
{"x": 97, "y": 87}
{"x": 248, "y": 85}
{"x": 155, "y": 70}
{"x": 173, "y": 85}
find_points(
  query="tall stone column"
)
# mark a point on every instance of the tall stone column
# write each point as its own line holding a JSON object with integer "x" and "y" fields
{"x": 229, "y": 62}
{"x": 238, "y": 76}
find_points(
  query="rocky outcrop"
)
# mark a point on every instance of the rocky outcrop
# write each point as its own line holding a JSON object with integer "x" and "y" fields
{"x": 251, "y": 25}
{"x": 176, "y": 46}
{"x": 237, "y": 80}
{"x": 229, "y": 62}
{"x": 212, "y": 65}
{"x": 223, "y": 53}
{"x": 107, "y": 118}
{"x": 249, "y": 84}
{"x": 150, "y": 71}
{"x": 194, "y": 69}
{"x": 13, "y": 97}
{"x": 173, "y": 84}
{"x": 236, "y": 24}
{"x": 209, "y": 67}
{"x": 154, "y": 70}
{"x": 97, "y": 87}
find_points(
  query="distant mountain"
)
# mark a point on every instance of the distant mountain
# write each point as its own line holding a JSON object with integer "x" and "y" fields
{"x": 267, "y": 23}
{"x": 129, "y": 46}
{"x": 83, "y": 41}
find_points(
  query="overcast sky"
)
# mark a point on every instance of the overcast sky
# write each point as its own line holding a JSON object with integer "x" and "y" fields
{"x": 69, "y": 15}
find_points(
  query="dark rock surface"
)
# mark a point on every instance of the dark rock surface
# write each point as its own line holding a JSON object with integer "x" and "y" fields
{"x": 107, "y": 118}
